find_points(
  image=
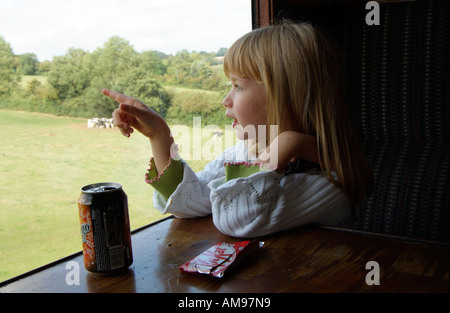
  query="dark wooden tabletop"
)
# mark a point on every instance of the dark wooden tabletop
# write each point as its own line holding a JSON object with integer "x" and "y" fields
{"x": 305, "y": 259}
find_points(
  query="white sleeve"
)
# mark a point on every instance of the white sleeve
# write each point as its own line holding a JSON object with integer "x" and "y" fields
{"x": 268, "y": 202}
{"x": 191, "y": 197}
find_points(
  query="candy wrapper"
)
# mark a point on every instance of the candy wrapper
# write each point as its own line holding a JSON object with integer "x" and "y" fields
{"x": 217, "y": 259}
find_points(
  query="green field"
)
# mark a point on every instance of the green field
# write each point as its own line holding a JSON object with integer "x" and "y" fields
{"x": 28, "y": 78}
{"x": 45, "y": 160}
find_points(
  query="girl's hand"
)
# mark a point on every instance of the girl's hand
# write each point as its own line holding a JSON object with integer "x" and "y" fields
{"x": 286, "y": 147}
{"x": 133, "y": 114}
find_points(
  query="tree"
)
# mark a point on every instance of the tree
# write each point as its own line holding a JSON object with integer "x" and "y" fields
{"x": 221, "y": 52}
{"x": 137, "y": 84}
{"x": 118, "y": 66}
{"x": 151, "y": 63}
{"x": 70, "y": 74}
{"x": 110, "y": 63}
{"x": 8, "y": 79}
{"x": 192, "y": 70}
{"x": 28, "y": 64}
{"x": 200, "y": 69}
{"x": 43, "y": 67}
{"x": 114, "y": 59}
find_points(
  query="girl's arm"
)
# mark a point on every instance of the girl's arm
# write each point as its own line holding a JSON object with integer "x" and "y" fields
{"x": 269, "y": 202}
{"x": 287, "y": 146}
{"x": 133, "y": 114}
{"x": 257, "y": 204}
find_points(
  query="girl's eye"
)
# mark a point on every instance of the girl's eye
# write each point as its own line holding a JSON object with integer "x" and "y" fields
{"x": 237, "y": 87}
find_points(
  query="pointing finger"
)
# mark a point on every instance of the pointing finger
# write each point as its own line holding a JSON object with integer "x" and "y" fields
{"x": 120, "y": 97}
{"x": 115, "y": 95}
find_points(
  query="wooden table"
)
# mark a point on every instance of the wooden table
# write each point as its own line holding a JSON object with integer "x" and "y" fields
{"x": 305, "y": 259}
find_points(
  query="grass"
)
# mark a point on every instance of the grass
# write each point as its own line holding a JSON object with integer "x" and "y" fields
{"x": 45, "y": 160}
{"x": 178, "y": 89}
{"x": 28, "y": 78}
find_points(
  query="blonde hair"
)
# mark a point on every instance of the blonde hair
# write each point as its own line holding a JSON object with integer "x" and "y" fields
{"x": 301, "y": 73}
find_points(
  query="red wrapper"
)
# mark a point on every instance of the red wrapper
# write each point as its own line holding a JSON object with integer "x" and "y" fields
{"x": 217, "y": 259}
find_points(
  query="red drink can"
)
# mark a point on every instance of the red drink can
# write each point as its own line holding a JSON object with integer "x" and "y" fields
{"x": 105, "y": 228}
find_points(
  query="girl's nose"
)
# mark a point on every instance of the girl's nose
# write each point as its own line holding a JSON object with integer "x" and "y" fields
{"x": 227, "y": 101}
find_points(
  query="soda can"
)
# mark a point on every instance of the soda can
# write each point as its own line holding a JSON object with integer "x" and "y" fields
{"x": 105, "y": 228}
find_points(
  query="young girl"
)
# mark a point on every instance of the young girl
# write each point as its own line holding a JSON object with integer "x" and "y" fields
{"x": 286, "y": 75}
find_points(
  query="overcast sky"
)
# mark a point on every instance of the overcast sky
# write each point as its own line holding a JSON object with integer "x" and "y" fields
{"x": 49, "y": 27}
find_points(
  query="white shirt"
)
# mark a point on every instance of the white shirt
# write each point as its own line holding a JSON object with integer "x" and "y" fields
{"x": 261, "y": 204}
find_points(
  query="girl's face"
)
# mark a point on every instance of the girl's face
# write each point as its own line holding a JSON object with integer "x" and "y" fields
{"x": 246, "y": 104}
